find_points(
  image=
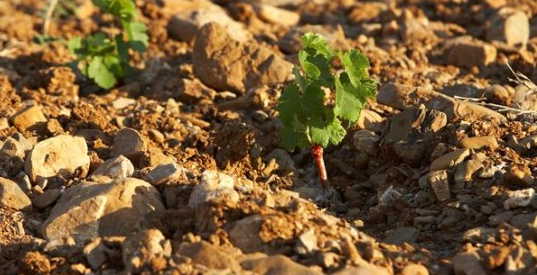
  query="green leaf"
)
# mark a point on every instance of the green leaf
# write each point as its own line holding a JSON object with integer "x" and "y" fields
{"x": 294, "y": 134}
{"x": 318, "y": 43}
{"x": 325, "y": 131}
{"x": 355, "y": 65}
{"x": 305, "y": 117}
{"x": 350, "y": 99}
{"x": 101, "y": 74}
{"x": 124, "y": 9}
{"x": 74, "y": 44}
{"x": 137, "y": 35}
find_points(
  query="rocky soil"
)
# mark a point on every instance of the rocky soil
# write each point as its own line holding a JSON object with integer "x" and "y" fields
{"x": 178, "y": 170}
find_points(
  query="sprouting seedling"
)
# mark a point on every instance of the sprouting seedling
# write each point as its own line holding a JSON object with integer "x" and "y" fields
{"x": 106, "y": 59}
{"x": 308, "y": 120}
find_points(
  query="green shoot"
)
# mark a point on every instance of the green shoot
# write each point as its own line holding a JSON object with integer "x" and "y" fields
{"x": 308, "y": 120}
{"x": 106, "y": 59}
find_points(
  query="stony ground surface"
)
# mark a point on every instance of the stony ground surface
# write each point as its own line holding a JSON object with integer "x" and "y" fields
{"x": 178, "y": 170}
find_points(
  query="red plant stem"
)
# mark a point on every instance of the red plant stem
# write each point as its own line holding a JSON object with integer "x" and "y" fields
{"x": 317, "y": 153}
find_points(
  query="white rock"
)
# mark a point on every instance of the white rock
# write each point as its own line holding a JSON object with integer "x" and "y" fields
{"x": 185, "y": 24}
{"x": 215, "y": 187}
{"x": 92, "y": 209}
{"x": 118, "y": 167}
{"x": 307, "y": 242}
{"x": 519, "y": 198}
{"x": 12, "y": 196}
{"x": 276, "y": 15}
{"x": 60, "y": 155}
{"x": 165, "y": 172}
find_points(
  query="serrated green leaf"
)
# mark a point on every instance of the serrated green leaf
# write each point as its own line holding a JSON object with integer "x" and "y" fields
{"x": 355, "y": 65}
{"x": 316, "y": 66}
{"x": 349, "y": 98}
{"x": 306, "y": 118}
{"x": 293, "y": 135}
{"x": 328, "y": 130}
{"x": 124, "y": 9}
{"x": 289, "y": 103}
{"x": 318, "y": 43}
{"x": 74, "y": 44}
{"x": 138, "y": 38}
{"x": 102, "y": 75}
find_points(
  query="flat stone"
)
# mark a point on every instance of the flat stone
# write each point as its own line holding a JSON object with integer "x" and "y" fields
{"x": 402, "y": 235}
{"x": 223, "y": 63}
{"x": 277, "y": 265}
{"x": 205, "y": 254}
{"x": 465, "y": 171}
{"x": 92, "y": 209}
{"x": 306, "y": 243}
{"x": 12, "y": 196}
{"x": 409, "y": 133}
{"x": 403, "y": 97}
{"x": 370, "y": 120}
{"x": 466, "y": 263}
{"x": 450, "y": 159}
{"x": 510, "y": 26}
{"x": 519, "y": 198}
{"x": 244, "y": 234}
{"x": 47, "y": 198}
{"x": 519, "y": 176}
{"x": 366, "y": 142}
{"x": 478, "y": 143}
{"x": 469, "y": 53}
{"x": 500, "y": 218}
{"x": 129, "y": 143}
{"x": 16, "y": 146}
{"x": 61, "y": 155}
{"x": 118, "y": 167}
{"x": 30, "y": 119}
{"x": 215, "y": 187}
{"x": 439, "y": 182}
{"x": 164, "y": 173}
{"x": 186, "y": 23}
{"x": 4, "y": 123}
{"x": 275, "y": 15}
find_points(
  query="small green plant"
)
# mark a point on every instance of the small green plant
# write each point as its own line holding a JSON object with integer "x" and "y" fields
{"x": 311, "y": 117}
{"x": 106, "y": 59}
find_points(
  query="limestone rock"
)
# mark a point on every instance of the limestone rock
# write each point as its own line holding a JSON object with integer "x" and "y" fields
{"x": 118, "y": 167}
{"x": 12, "y": 196}
{"x": 227, "y": 64}
{"x": 166, "y": 172}
{"x": 60, "y": 155}
{"x": 215, "y": 187}
{"x": 469, "y": 53}
{"x": 275, "y": 15}
{"x": 510, "y": 26}
{"x": 30, "y": 119}
{"x": 92, "y": 209}
{"x": 450, "y": 159}
{"x": 205, "y": 254}
{"x": 129, "y": 143}
{"x": 186, "y": 23}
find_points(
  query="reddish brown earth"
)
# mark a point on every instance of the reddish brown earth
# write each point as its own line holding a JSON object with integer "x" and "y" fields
{"x": 178, "y": 170}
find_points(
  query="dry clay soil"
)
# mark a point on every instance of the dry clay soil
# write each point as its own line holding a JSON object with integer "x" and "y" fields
{"x": 177, "y": 170}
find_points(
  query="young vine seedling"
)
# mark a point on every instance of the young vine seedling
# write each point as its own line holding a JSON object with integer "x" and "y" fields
{"x": 106, "y": 59}
{"x": 309, "y": 121}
